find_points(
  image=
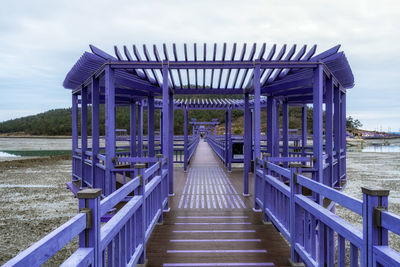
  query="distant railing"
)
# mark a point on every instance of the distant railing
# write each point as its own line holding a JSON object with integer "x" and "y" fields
{"x": 300, "y": 209}
{"x": 192, "y": 147}
{"x": 119, "y": 242}
{"x": 218, "y": 148}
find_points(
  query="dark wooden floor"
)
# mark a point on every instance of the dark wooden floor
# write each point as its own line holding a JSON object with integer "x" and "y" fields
{"x": 211, "y": 223}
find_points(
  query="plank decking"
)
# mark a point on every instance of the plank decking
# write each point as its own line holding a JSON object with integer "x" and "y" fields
{"x": 211, "y": 223}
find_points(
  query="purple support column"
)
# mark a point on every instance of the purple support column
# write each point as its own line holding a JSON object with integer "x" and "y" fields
{"x": 74, "y": 132}
{"x": 304, "y": 129}
{"x": 226, "y": 138}
{"x": 343, "y": 136}
{"x": 110, "y": 130}
{"x": 95, "y": 131}
{"x": 247, "y": 144}
{"x": 229, "y": 140}
{"x": 185, "y": 140}
{"x": 133, "y": 128}
{"x": 150, "y": 125}
{"x": 165, "y": 93}
{"x": 271, "y": 110}
{"x": 328, "y": 178}
{"x": 140, "y": 129}
{"x": 161, "y": 131}
{"x": 171, "y": 143}
{"x": 277, "y": 129}
{"x": 285, "y": 128}
{"x": 252, "y": 135}
{"x": 337, "y": 133}
{"x": 328, "y": 174}
{"x": 257, "y": 112}
{"x": 317, "y": 124}
{"x": 84, "y": 114}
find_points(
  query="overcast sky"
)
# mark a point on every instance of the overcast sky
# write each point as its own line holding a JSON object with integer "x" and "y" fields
{"x": 41, "y": 40}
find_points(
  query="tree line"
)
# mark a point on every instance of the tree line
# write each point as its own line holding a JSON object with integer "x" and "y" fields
{"x": 59, "y": 121}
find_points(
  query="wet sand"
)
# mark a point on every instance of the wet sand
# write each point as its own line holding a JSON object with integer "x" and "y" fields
{"x": 34, "y": 199}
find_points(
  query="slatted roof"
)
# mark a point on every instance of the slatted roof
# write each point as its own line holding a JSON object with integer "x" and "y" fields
{"x": 209, "y": 103}
{"x": 212, "y": 69}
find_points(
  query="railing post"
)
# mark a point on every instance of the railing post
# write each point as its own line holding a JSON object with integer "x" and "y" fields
{"x": 295, "y": 220}
{"x": 264, "y": 193}
{"x": 89, "y": 203}
{"x": 374, "y": 201}
{"x": 141, "y": 234}
{"x": 161, "y": 194}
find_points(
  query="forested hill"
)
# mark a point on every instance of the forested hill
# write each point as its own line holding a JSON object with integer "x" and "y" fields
{"x": 52, "y": 122}
{"x": 58, "y": 121}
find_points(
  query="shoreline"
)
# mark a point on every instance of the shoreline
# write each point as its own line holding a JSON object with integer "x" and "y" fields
{"x": 38, "y": 136}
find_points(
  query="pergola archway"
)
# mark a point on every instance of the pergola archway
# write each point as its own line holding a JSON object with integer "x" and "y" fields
{"x": 286, "y": 76}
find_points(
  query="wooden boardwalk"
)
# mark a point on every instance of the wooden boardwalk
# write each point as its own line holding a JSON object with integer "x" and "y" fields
{"x": 211, "y": 223}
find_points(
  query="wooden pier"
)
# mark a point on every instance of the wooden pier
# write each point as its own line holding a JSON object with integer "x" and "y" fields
{"x": 206, "y": 209}
{"x": 202, "y": 231}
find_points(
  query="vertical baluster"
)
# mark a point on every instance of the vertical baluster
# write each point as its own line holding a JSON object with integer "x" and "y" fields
{"x": 123, "y": 245}
{"x": 110, "y": 253}
{"x": 117, "y": 259}
{"x": 321, "y": 243}
{"x": 341, "y": 251}
{"x": 313, "y": 236}
{"x": 128, "y": 240}
{"x": 353, "y": 255}
{"x": 307, "y": 232}
{"x": 330, "y": 258}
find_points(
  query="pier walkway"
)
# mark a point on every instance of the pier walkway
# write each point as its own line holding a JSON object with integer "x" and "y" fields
{"x": 211, "y": 223}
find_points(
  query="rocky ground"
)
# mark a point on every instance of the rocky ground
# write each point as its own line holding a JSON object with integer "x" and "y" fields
{"x": 34, "y": 201}
{"x": 377, "y": 171}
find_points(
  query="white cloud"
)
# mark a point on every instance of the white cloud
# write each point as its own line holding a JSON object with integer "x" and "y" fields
{"x": 41, "y": 40}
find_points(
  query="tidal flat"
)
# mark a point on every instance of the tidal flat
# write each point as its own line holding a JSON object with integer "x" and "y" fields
{"x": 34, "y": 199}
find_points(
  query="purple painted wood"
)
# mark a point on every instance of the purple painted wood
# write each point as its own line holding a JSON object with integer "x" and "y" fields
{"x": 185, "y": 141}
{"x": 140, "y": 130}
{"x": 110, "y": 130}
{"x": 317, "y": 125}
{"x": 247, "y": 145}
{"x": 257, "y": 111}
{"x": 328, "y": 175}
{"x": 132, "y": 124}
{"x": 41, "y": 251}
{"x": 150, "y": 126}
{"x": 230, "y": 147}
{"x": 285, "y": 128}
{"x": 95, "y": 88}
{"x": 171, "y": 142}
{"x": 84, "y": 115}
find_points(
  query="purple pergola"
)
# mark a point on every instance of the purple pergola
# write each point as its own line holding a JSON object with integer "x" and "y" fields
{"x": 295, "y": 185}
{"x": 285, "y": 76}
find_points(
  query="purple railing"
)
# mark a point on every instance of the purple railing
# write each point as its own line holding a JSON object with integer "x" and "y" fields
{"x": 122, "y": 240}
{"x": 218, "y": 147}
{"x": 303, "y": 211}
